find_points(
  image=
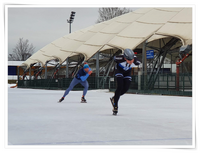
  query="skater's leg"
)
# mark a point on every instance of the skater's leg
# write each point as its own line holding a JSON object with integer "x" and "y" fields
{"x": 126, "y": 85}
{"x": 71, "y": 86}
{"x": 118, "y": 90}
{"x": 86, "y": 86}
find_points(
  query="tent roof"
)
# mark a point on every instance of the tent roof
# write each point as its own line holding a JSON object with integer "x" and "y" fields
{"x": 125, "y": 31}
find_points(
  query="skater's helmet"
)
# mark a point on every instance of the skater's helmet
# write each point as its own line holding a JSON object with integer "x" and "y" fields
{"x": 86, "y": 66}
{"x": 129, "y": 54}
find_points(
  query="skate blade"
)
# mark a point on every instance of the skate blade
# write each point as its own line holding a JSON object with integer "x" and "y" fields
{"x": 111, "y": 101}
{"x": 114, "y": 114}
{"x": 83, "y": 102}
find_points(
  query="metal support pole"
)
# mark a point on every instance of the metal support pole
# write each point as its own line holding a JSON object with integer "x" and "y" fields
{"x": 139, "y": 80}
{"x": 111, "y": 64}
{"x": 171, "y": 63}
{"x": 71, "y": 20}
{"x": 30, "y": 73}
{"x": 67, "y": 68}
{"x": 167, "y": 82}
{"x": 45, "y": 73}
{"x": 97, "y": 69}
{"x": 70, "y": 27}
{"x": 164, "y": 50}
{"x": 97, "y": 64}
{"x": 186, "y": 69}
{"x": 177, "y": 77}
{"x": 144, "y": 63}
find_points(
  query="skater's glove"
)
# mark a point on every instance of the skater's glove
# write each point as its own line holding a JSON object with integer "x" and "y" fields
{"x": 90, "y": 71}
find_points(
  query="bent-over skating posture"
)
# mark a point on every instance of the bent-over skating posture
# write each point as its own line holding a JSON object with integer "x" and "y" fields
{"x": 81, "y": 77}
{"x": 124, "y": 64}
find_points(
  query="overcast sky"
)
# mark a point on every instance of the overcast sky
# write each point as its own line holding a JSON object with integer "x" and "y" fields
{"x": 42, "y": 25}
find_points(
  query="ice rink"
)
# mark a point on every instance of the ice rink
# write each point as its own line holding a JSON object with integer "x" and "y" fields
{"x": 35, "y": 118}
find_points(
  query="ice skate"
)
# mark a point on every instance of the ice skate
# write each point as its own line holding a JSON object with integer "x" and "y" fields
{"x": 115, "y": 109}
{"x": 61, "y": 99}
{"x": 112, "y": 101}
{"x": 83, "y": 100}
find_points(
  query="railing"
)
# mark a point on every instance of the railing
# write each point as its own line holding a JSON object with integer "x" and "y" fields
{"x": 164, "y": 84}
{"x": 63, "y": 83}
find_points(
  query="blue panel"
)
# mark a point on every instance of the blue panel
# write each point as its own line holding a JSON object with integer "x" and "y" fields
{"x": 150, "y": 54}
{"x": 12, "y": 70}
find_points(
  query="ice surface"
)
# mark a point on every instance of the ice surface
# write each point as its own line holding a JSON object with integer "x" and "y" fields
{"x": 35, "y": 118}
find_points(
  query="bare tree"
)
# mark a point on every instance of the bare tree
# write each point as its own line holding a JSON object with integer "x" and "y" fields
{"x": 110, "y": 12}
{"x": 22, "y": 51}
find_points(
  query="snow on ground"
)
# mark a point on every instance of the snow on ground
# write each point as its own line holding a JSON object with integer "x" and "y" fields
{"x": 35, "y": 118}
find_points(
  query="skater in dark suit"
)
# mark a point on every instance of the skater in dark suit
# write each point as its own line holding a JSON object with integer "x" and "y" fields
{"x": 124, "y": 64}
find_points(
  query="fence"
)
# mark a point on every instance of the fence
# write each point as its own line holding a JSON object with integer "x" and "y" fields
{"x": 63, "y": 83}
{"x": 163, "y": 84}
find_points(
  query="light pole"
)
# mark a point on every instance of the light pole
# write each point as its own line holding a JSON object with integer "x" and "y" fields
{"x": 71, "y": 20}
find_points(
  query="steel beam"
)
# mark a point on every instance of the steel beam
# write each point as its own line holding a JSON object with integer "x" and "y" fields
{"x": 67, "y": 68}
{"x": 163, "y": 51}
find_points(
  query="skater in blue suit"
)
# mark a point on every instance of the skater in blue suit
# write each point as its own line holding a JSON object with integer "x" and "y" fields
{"x": 81, "y": 77}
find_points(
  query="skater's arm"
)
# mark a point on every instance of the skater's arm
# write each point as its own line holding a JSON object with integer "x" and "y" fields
{"x": 119, "y": 58}
{"x": 136, "y": 61}
{"x": 83, "y": 78}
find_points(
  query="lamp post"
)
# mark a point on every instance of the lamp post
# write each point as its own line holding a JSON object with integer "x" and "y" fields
{"x": 71, "y": 19}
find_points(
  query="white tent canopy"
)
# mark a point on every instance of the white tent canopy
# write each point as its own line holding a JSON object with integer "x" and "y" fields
{"x": 125, "y": 31}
